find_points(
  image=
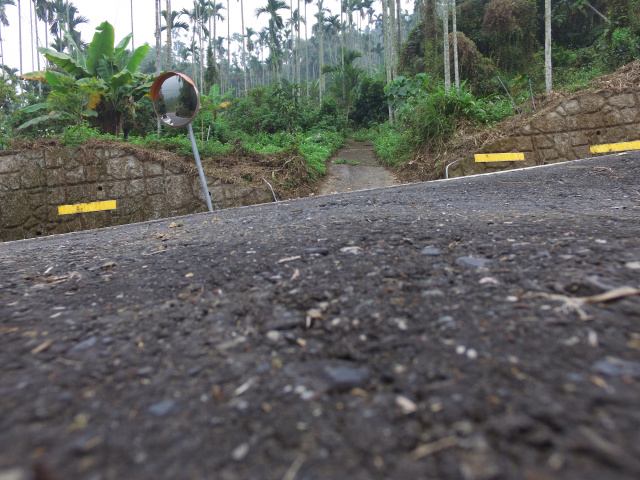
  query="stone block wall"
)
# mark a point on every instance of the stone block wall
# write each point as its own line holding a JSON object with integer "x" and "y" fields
{"x": 34, "y": 183}
{"x": 566, "y": 132}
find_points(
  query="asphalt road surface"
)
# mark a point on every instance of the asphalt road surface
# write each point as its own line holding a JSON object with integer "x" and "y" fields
{"x": 476, "y": 328}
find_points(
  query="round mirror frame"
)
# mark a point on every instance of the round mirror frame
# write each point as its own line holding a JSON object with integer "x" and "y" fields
{"x": 156, "y": 89}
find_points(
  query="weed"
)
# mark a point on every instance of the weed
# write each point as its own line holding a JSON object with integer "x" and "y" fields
{"x": 342, "y": 161}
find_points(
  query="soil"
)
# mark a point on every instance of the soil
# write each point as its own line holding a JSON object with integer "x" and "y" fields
{"x": 450, "y": 330}
{"x": 360, "y": 170}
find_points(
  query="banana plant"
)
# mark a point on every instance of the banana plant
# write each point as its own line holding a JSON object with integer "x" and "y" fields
{"x": 69, "y": 99}
{"x": 214, "y": 101}
{"x": 121, "y": 85}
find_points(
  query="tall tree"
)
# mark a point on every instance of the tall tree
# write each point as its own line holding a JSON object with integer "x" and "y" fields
{"x": 244, "y": 48}
{"x": 176, "y": 25}
{"x": 276, "y": 24}
{"x": 454, "y": 19}
{"x": 395, "y": 45}
{"x": 169, "y": 19}
{"x": 548, "y": 74}
{"x": 4, "y": 22}
{"x": 44, "y": 13}
{"x": 158, "y": 42}
{"x": 319, "y": 27}
{"x": 447, "y": 60}
{"x": 306, "y": 44}
{"x": 346, "y": 78}
{"x": 20, "y": 33}
{"x": 387, "y": 43}
{"x": 214, "y": 15}
{"x": 133, "y": 44}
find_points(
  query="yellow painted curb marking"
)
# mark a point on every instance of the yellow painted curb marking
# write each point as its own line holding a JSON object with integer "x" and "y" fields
{"x": 615, "y": 147}
{"x": 86, "y": 207}
{"x": 499, "y": 157}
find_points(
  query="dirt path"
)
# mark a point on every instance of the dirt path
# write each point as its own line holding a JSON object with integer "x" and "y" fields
{"x": 361, "y": 171}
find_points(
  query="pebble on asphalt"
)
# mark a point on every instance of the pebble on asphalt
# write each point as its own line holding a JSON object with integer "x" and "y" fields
{"x": 162, "y": 408}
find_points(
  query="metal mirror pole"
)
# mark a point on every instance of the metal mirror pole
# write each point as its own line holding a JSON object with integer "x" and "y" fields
{"x": 203, "y": 180}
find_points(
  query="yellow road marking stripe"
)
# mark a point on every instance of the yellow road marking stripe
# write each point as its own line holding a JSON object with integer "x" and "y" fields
{"x": 499, "y": 157}
{"x": 86, "y": 207}
{"x": 615, "y": 147}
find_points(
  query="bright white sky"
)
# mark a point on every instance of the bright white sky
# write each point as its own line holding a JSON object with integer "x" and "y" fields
{"x": 118, "y": 13}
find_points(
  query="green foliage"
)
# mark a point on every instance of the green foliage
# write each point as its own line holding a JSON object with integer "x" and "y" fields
{"x": 79, "y": 134}
{"x": 8, "y": 94}
{"x": 278, "y": 107}
{"x": 371, "y": 105}
{"x": 392, "y": 147}
{"x": 625, "y": 47}
{"x": 344, "y": 79}
{"x": 364, "y": 134}
{"x": 572, "y": 68}
{"x": 510, "y": 27}
{"x": 316, "y": 148}
{"x": 432, "y": 116}
{"x": 402, "y": 88}
{"x": 342, "y": 161}
{"x": 69, "y": 100}
{"x": 118, "y": 87}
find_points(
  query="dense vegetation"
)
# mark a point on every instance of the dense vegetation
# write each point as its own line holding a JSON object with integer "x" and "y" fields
{"x": 360, "y": 72}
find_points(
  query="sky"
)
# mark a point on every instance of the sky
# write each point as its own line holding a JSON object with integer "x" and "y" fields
{"x": 118, "y": 13}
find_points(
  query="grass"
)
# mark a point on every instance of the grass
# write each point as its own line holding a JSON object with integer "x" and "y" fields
{"x": 342, "y": 161}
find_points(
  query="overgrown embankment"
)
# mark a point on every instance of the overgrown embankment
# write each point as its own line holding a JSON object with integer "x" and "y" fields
{"x": 563, "y": 127}
{"x": 139, "y": 183}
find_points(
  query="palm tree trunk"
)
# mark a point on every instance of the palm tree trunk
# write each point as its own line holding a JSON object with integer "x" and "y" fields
{"x": 157, "y": 2}
{"x": 169, "y": 34}
{"x": 20, "y": 33}
{"x": 447, "y": 60}
{"x": 399, "y": 20}
{"x": 455, "y": 46}
{"x": 228, "y": 46}
{"x": 321, "y": 64}
{"x": 215, "y": 14}
{"x": 133, "y": 44}
{"x": 244, "y": 48}
{"x": 387, "y": 48}
{"x": 395, "y": 47}
{"x": 202, "y": 56}
{"x": 306, "y": 48}
{"x": 548, "y": 67}
{"x": 33, "y": 58}
{"x": 1, "y": 46}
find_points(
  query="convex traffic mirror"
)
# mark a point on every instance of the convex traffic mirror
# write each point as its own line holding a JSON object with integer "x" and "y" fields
{"x": 176, "y": 102}
{"x": 175, "y": 99}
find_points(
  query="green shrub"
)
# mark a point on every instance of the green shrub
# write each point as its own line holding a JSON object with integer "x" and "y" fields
{"x": 391, "y": 146}
{"x": 624, "y": 47}
{"x": 78, "y": 135}
{"x": 371, "y": 105}
{"x": 433, "y": 118}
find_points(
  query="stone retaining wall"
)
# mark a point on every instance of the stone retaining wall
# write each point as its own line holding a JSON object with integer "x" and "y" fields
{"x": 566, "y": 132}
{"x": 34, "y": 183}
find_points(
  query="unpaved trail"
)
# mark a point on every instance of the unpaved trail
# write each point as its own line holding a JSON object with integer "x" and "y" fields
{"x": 367, "y": 173}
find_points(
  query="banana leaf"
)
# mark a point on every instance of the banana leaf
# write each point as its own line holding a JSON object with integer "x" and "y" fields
{"x": 137, "y": 57}
{"x": 35, "y": 107}
{"x": 35, "y": 76}
{"x": 101, "y": 47}
{"x": 122, "y": 45}
{"x": 35, "y": 121}
{"x": 67, "y": 63}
